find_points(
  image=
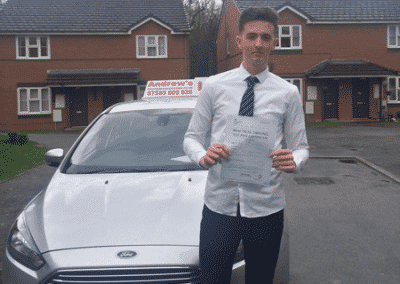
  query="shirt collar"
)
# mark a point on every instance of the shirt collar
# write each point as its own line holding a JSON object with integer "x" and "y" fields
{"x": 243, "y": 73}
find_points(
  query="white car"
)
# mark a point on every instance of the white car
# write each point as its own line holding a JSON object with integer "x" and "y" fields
{"x": 124, "y": 206}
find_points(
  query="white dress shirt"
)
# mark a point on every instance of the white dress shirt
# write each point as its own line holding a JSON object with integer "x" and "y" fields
{"x": 274, "y": 99}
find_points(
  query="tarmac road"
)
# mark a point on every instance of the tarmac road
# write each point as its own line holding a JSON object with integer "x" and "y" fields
{"x": 378, "y": 145}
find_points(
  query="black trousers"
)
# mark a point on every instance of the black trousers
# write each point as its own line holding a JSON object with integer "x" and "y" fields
{"x": 220, "y": 236}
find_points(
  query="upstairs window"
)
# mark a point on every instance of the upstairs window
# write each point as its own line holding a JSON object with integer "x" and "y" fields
{"x": 33, "y": 47}
{"x": 393, "y": 36}
{"x": 151, "y": 46}
{"x": 289, "y": 37}
{"x": 34, "y": 101}
{"x": 394, "y": 89}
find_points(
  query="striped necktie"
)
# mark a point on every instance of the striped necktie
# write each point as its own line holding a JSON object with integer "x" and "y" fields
{"x": 247, "y": 104}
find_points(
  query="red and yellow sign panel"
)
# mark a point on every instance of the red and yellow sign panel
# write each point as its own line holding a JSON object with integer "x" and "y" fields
{"x": 186, "y": 88}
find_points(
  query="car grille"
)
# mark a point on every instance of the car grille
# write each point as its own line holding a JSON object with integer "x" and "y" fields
{"x": 142, "y": 275}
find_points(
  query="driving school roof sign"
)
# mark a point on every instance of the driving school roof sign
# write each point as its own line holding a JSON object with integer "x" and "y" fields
{"x": 186, "y": 88}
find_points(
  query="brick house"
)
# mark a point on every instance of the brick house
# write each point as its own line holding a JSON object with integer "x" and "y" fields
{"x": 79, "y": 57}
{"x": 344, "y": 56}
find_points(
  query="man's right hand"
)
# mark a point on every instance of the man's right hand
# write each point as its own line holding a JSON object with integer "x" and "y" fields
{"x": 214, "y": 155}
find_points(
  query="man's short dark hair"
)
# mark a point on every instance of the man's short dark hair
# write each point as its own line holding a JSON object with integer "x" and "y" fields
{"x": 266, "y": 14}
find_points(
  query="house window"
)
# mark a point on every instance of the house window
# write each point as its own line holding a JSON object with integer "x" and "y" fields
{"x": 394, "y": 89}
{"x": 151, "y": 46}
{"x": 34, "y": 101}
{"x": 33, "y": 47}
{"x": 394, "y": 36}
{"x": 298, "y": 84}
{"x": 289, "y": 37}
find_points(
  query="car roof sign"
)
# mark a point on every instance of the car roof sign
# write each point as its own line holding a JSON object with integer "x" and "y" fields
{"x": 174, "y": 89}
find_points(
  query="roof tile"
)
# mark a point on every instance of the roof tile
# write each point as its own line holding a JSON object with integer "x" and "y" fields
{"x": 336, "y": 10}
{"x": 88, "y": 16}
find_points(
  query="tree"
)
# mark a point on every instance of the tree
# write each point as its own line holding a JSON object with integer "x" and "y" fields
{"x": 203, "y": 18}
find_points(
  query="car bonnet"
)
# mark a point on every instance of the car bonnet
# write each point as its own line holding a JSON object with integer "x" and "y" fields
{"x": 92, "y": 210}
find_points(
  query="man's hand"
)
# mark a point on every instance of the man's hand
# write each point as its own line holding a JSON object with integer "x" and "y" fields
{"x": 283, "y": 160}
{"x": 214, "y": 155}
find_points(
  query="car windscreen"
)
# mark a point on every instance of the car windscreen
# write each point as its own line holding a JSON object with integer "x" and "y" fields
{"x": 135, "y": 141}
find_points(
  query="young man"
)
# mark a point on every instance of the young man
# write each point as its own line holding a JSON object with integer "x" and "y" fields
{"x": 235, "y": 211}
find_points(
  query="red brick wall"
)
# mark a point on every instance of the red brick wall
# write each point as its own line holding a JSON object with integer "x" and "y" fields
{"x": 393, "y": 109}
{"x": 228, "y": 26}
{"x": 79, "y": 53}
{"x": 345, "y": 101}
{"x": 319, "y": 43}
{"x": 374, "y": 102}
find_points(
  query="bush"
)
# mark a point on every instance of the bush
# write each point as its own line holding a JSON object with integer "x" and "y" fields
{"x": 15, "y": 138}
{"x": 22, "y": 139}
{"x": 12, "y": 138}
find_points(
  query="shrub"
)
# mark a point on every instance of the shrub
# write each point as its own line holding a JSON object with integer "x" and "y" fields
{"x": 12, "y": 138}
{"x": 22, "y": 139}
{"x": 15, "y": 138}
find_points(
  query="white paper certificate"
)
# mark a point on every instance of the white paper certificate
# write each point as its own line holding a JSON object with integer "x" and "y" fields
{"x": 250, "y": 140}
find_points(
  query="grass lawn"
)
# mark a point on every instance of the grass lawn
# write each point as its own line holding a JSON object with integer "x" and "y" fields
{"x": 15, "y": 160}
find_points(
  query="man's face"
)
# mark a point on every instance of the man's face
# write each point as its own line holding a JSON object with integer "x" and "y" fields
{"x": 256, "y": 42}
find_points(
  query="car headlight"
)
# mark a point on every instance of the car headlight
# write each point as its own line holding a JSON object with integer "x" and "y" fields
{"x": 21, "y": 246}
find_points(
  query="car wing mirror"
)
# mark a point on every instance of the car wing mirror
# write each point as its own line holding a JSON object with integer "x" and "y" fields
{"x": 54, "y": 157}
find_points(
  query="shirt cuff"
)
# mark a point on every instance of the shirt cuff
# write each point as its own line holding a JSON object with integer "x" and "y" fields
{"x": 300, "y": 158}
{"x": 199, "y": 156}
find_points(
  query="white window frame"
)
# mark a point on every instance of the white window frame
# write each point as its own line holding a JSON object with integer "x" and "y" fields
{"x": 30, "y": 99}
{"x": 397, "y": 90}
{"x": 147, "y": 45}
{"x": 291, "y": 81}
{"x": 396, "y": 34}
{"x": 28, "y": 46}
{"x": 290, "y": 35}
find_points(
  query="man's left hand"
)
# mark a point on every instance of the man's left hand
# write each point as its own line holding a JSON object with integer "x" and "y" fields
{"x": 283, "y": 160}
